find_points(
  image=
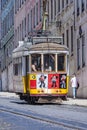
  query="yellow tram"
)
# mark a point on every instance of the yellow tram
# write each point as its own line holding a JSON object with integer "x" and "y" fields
{"x": 41, "y": 69}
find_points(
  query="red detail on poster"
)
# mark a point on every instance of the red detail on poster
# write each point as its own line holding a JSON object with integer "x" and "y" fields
{"x": 32, "y": 84}
{"x": 53, "y": 81}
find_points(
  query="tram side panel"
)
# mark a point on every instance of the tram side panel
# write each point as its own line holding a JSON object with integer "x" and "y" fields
{"x": 19, "y": 77}
{"x": 18, "y": 84}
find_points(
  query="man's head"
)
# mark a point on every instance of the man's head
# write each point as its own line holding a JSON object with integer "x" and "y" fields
{"x": 74, "y": 74}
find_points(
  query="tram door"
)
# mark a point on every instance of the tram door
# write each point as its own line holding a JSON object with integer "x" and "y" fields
{"x": 25, "y": 71}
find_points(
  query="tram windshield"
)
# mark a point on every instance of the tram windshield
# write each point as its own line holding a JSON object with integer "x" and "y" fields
{"x": 41, "y": 63}
{"x": 49, "y": 62}
{"x": 61, "y": 62}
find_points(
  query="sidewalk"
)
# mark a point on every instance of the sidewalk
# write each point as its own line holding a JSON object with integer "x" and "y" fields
{"x": 70, "y": 101}
{"x": 7, "y": 94}
{"x": 77, "y": 101}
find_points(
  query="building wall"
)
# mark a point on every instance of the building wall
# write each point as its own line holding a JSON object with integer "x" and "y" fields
{"x": 71, "y": 19}
{"x": 7, "y": 79}
{"x": 10, "y": 79}
{"x": 27, "y": 19}
{"x": 0, "y": 22}
{"x": 81, "y": 31}
{"x": 4, "y": 80}
{"x": 0, "y": 46}
{"x": 7, "y": 41}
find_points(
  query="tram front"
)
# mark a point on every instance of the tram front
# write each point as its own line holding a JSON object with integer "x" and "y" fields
{"x": 41, "y": 69}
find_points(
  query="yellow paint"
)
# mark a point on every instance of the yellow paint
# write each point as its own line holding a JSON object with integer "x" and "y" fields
{"x": 48, "y": 91}
{"x": 38, "y": 91}
{"x": 67, "y": 83}
{"x": 32, "y": 76}
{"x": 24, "y": 83}
{"x": 28, "y": 83}
{"x": 57, "y": 91}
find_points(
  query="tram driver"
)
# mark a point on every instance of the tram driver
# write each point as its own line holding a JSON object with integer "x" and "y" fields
{"x": 34, "y": 66}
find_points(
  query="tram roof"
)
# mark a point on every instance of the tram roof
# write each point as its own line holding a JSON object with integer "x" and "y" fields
{"x": 44, "y": 46}
{"x": 48, "y": 46}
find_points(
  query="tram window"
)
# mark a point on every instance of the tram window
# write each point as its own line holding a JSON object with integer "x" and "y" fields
{"x": 15, "y": 69}
{"x": 27, "y": 63}
{"x": 49, "y": 62}
{"x": 61, "y": 62}
{"x": 36, "y": 62}
{"x": 17, "y": 66}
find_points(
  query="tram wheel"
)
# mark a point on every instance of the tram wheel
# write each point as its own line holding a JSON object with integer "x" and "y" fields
{"x": 64, "y": 98}
{"x": 31, "y": 100}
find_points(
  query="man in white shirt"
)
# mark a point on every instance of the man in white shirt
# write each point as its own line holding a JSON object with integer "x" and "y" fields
{"x": 74, "y": 84}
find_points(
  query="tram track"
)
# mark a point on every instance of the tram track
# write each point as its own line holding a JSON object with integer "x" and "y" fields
{"x": 44, "y": 119}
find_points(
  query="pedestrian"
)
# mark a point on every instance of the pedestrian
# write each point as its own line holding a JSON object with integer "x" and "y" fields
{"x": 74, "y": 85}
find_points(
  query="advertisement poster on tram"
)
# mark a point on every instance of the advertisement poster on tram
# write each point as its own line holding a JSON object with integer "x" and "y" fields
{"x": 62, "y": 80}
{"x": 42, "y": 81}
{"x": 53, "y": 81}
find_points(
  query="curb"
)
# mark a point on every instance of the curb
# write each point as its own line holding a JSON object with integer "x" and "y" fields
{"x": 8, "y": 94}
{"x": 78, "y": 102}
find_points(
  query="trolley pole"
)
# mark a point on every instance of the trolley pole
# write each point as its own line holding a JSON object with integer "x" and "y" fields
{"x": 45, "y": 14}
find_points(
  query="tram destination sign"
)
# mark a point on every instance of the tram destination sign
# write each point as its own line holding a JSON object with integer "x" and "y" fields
{"x": 37, "y": 40}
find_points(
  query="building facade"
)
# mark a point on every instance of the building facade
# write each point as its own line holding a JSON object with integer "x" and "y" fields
{"x": 80, "y": 45}
{"x": 0, "y": 47}
{"x": 65, "y": 18}
{"x": 7, "y": 43}
{"x": 27, "y": 18}
{"x": 68, "y": 18}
